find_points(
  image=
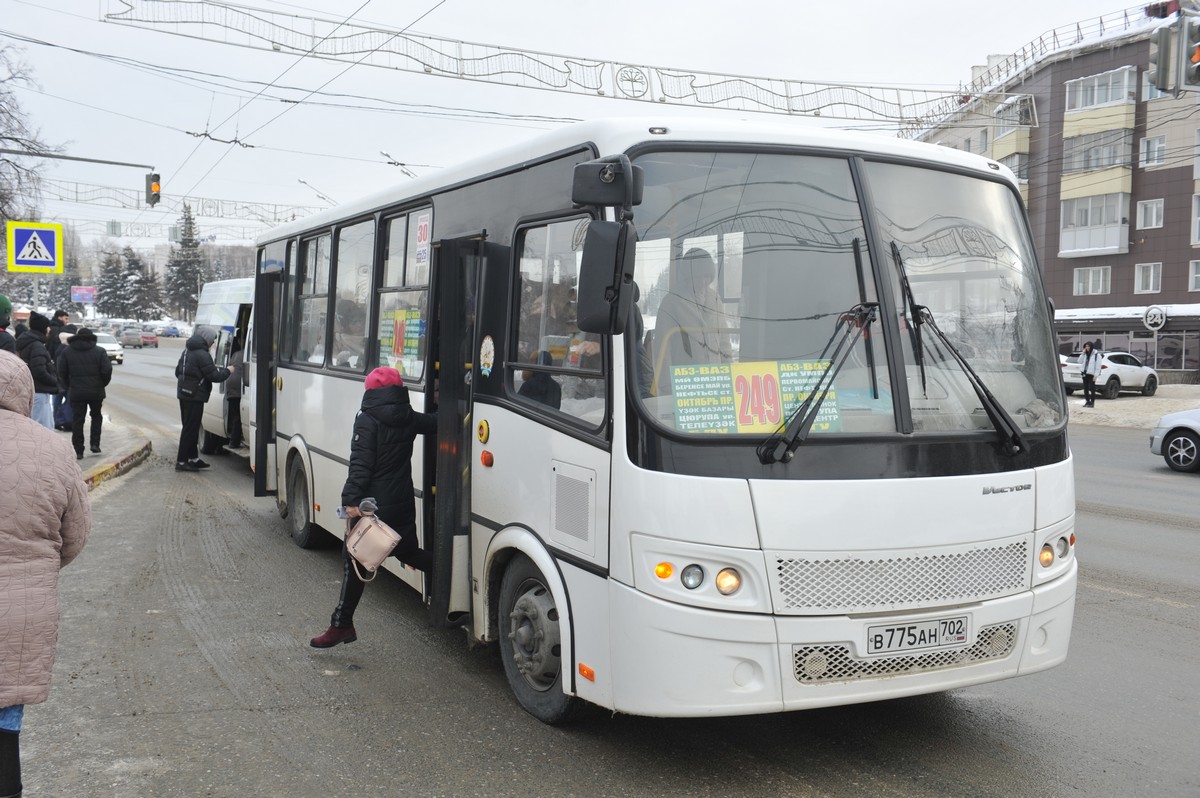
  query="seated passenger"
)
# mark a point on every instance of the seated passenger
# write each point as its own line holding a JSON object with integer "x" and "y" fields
{"x": 690, "y": 328}
{"x": 540, "y": 386}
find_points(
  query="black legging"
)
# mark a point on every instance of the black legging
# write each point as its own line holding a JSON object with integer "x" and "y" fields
{"x": 352, "y": 586}
{"x": 1089, "y": 388}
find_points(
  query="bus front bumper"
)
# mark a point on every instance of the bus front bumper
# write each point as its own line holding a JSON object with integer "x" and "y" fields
{"x": 680, "y": 661}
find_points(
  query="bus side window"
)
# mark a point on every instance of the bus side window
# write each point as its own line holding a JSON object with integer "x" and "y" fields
{"x": 554, "y": 365}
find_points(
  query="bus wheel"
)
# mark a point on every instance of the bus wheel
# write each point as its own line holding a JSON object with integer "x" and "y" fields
{"x": 530, "y": 643}
{"x": 209, "y": 443}
{"x": 299, "y": 512}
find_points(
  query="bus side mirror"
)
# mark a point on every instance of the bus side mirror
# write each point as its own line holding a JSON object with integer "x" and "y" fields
{"x": 608, "y": 182}
{"x": 605, "y": 290}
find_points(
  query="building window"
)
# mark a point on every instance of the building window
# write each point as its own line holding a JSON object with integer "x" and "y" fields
{"x": 1149, "y": 214}
{"x": 1194, "y": 275}
{"x": 1154, "y": 151}
{"x": 1098, "y": 151}
{"x": 983, "y": 142}
{"x": 1015, "y": 113}
{"x": 1094, "y": 225}
{"x": 1118, "y": 86}
{"x": 1147, "y": 278}
{"x": 1195, "y": 219}
{"x": 1092, "y": 280}
{"x": 1018, "y": 162}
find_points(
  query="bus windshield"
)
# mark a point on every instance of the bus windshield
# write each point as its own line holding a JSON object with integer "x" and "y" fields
{"x": 758, "y": 287}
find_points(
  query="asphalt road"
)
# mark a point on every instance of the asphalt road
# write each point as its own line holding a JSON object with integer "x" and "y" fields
{"x": 184, "y": 669}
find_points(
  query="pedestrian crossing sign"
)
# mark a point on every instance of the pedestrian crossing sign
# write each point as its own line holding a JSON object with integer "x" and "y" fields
{"x": 35, "y": 248}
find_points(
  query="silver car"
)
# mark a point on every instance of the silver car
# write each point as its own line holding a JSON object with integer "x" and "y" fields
{"x": 1176, "y": 437}
{"x": 1119, "y": 371}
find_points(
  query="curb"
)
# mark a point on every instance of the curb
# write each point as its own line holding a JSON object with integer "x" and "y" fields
{"x": 115, "y": 468}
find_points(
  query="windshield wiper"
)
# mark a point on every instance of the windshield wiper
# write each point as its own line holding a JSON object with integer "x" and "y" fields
{"x": 1011, "y": 440}
{"x": 914, "y": 312}
{"x": 851, "y": 325}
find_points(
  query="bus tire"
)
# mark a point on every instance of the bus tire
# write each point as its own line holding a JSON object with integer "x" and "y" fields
{"x": 209, "y": 443}
{"x": 299, "y": 507}
{"x": 530, "y": 643}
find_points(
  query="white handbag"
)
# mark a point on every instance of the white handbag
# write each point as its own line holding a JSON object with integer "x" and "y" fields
{"x": 370, "y": 542}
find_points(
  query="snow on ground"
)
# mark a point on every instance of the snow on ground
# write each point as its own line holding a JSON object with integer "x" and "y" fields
{"x": 1133, "y": 410}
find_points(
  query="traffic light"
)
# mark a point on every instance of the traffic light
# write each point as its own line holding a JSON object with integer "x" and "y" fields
{"x": 1189, "y": 58}
{"x": 152, "y": 189}
{"x": 1161, "y": 50}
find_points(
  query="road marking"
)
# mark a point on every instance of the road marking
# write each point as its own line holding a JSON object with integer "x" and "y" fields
{"x": 1130, "y": 594}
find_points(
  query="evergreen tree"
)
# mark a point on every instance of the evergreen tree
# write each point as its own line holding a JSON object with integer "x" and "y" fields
{"x": 56, "y": 291}
{"x": 111, "y": 299}
{"x": 186, "y": 271}
{"x": 133, "y": 277}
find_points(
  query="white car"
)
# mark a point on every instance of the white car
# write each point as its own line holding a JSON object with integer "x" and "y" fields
{"x": 1176, "y": 437}
{"x": 116, "y": 352}
{"x": 1119, "y": 371}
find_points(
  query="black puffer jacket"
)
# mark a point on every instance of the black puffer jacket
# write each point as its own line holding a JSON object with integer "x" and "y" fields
{"x": 31, "y": 346}
{"x": 381, "y": 454}
{"x": 197, "y": 364}
{"x": 83, "y": 368}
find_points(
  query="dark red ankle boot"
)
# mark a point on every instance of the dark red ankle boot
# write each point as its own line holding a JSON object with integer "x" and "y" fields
{"x": 332, "y": 636}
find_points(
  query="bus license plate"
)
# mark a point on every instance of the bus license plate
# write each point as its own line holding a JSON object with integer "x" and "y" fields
{"x": 938, "y": 633}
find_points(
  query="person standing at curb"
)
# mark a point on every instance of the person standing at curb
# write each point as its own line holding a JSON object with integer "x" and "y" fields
{"x": 83, "y": 372}
{"x": 45, "y": 520}
{"x": 195, "y": 374}
{"x": 1089, "y": 366}
{"x": 31, "y": 347}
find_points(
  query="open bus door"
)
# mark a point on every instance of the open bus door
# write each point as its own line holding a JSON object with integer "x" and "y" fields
{"x": 458, "y": 266}
{"x": 260, "y": 357}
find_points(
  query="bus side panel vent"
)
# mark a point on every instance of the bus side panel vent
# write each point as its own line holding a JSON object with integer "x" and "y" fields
{"x": 572, "y": 521}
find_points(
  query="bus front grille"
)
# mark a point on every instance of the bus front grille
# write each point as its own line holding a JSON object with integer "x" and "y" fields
{"x": 807, "y": 584}
{"x": 837, "y": 663}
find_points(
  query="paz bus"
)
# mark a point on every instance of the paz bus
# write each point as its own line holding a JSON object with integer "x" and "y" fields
{"x": 732, "y": 418}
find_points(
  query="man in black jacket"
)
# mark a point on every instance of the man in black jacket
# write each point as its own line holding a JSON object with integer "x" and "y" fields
{"x": 83, "y": 372}
{"x": 195, "y": 373}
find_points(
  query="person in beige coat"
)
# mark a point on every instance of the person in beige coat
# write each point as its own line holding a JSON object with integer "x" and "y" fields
{"x": 45, "y": 521}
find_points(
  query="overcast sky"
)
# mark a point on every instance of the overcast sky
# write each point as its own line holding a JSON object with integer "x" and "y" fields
{"x": 95, "y": 108}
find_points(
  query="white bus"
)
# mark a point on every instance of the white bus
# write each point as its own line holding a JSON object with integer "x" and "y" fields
{"x": 226, "y": 305}
{"x": 732, "y": 418}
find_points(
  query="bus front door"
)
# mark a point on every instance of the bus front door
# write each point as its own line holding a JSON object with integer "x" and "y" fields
{"x": 459, "y": 263}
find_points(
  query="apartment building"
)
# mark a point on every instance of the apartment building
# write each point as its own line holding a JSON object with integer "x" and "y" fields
{"x": 1110, "y": 172}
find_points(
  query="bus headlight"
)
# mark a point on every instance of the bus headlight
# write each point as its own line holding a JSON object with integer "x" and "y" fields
{"x": 729, "y": 581}
{"x": 1046, "y": 556}
{"x": 692, "y": 576}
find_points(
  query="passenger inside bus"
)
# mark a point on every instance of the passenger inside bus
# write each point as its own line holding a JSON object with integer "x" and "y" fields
{"x": 690, "y": 328}
{"x": 349, "y": 334}
{"x": 540, "y": 386}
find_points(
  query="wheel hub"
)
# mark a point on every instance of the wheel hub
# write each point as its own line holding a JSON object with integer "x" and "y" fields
{"x": 533, "y": 630}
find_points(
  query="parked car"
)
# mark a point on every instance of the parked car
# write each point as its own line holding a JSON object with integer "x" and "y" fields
{"x": 116, "y": 352}
{"x": 149, "y": 338}
{"x": 131, "y": 338}
{"x": 1119, "y": 371}
{"x": 169, "y": 331}
{"x": 1176, "y": 437}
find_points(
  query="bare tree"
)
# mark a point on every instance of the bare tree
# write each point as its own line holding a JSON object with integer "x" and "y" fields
{"x": 19, "y": 177}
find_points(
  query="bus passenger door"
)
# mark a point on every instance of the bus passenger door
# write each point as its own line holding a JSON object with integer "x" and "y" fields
{"x": 262, "y": 350}
{"x": 458, "y": 265}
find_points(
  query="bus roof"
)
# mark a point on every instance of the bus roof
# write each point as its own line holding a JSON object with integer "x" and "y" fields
{"x": 613, "y": 136}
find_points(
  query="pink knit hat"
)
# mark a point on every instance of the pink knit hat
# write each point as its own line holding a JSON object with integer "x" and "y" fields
{"x": 383, "y": 376}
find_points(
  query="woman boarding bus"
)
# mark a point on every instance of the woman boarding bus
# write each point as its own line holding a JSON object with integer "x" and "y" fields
{"x": 821, "y": 460}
